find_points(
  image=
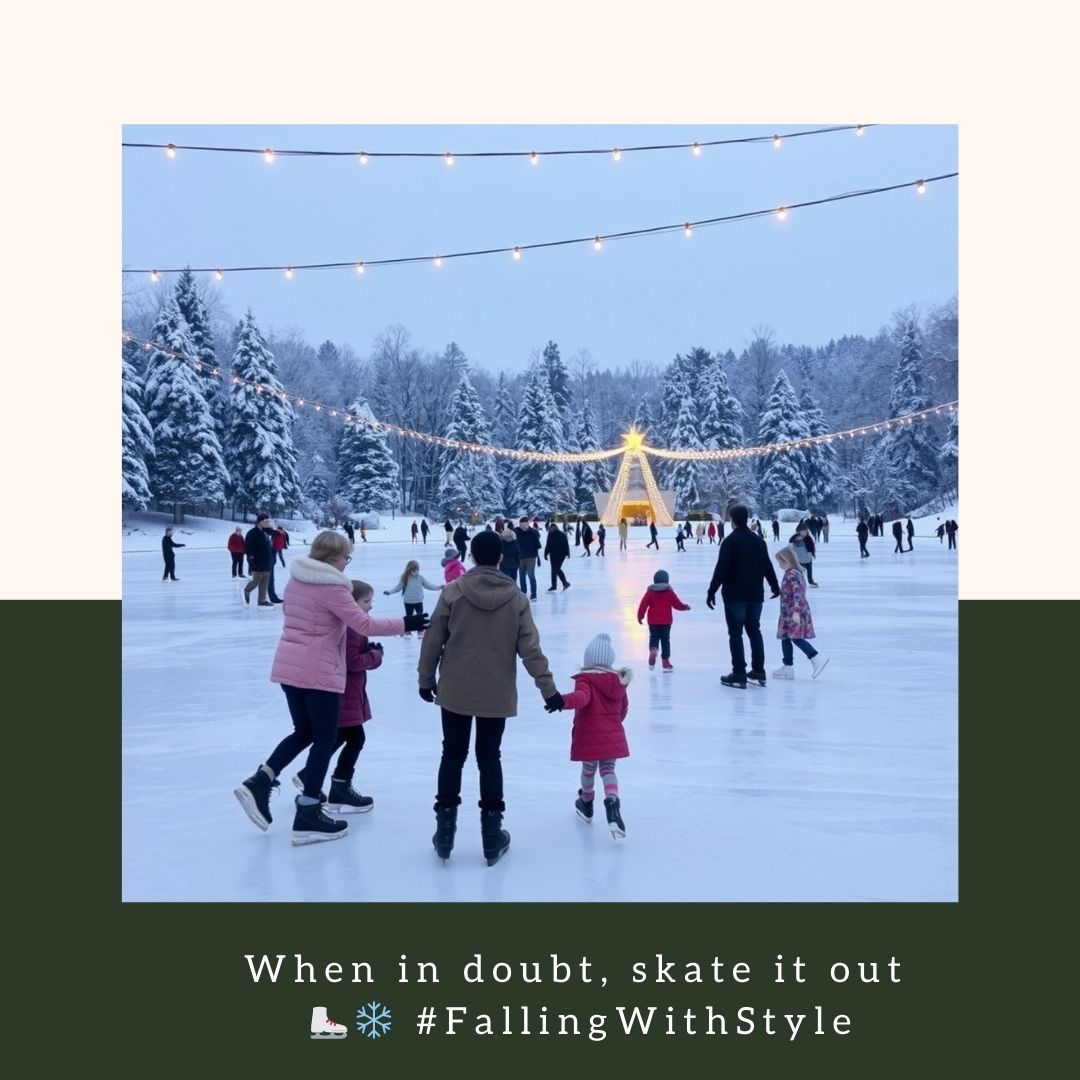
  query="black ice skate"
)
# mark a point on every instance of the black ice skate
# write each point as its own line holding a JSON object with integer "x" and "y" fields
{"x": 733, "y": 680}
{"x": 344, "y": 800}
{"x": 584, "y": 809}
{"x": 614, "y": 818}
{"x": 756, "y": 677}
{"x": 496, "y": 839}
{"x": 311, "y": 825}
{"x": 445, "y": 828}
{"x": 254, "y": 796}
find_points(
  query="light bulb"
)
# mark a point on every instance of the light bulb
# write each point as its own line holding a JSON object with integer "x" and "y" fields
{"x": 363, "y": 158}
{"x": 449, "y": 159}
{"x": 218, "y": 275}
{"x": 170, "y": 150}
{"x": 859, "y": 130}
{"x": 920, "y": 187}
{"x": 359, "y": 268}
{"x": 687, "y": 231}
{"x": 517, "y": 253}
{"x": 534, "y": 158}
{"x": 268, "y": 156}
{"x": 697, "y": 149}
{"x": 288, "y": 271}
{"x": 776, "y": 141}
{"x": 781, "y": 213}
{"x": 597, "y": 244}
{"x": 616, "y": 154}
{"x": 154, "y": 277}
{"x": 438, "y": 261}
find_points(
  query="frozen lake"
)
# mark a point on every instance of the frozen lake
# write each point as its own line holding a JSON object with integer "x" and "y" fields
{"x": 841, "y": 788}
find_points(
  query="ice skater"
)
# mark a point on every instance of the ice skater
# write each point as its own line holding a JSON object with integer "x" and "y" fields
{"x": 452, "y": 565}
{"x": 411, "y": 585}
{"x": 235, "y": 544}
{"x": 598, "y": 738}
{"x": 898, "y": 536}
{"x": 310, "y": 666}
{"x": 361, "y": 656}
{"x": 796, "y": 624}
{"x": 658, "y": 603}
{"x": 168, "y": 549}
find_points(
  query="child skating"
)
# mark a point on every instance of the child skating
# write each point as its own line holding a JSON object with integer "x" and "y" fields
{"x": 411, "y": 585}
{"x": 598, "y": 739}
{"x": 361, "y": 656}
{"x": 659, "y": 601}
{"x": 796, "y": 623}
{"x": 452, "y": 565}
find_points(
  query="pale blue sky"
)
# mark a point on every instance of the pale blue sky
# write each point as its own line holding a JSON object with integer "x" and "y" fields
{"x": 824, "y": 272}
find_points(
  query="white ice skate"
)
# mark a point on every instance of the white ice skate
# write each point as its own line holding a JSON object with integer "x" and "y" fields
{"x": 819, "y": 663}
{"x": 784, "y": 672}
{"x": 324, "y": 1028}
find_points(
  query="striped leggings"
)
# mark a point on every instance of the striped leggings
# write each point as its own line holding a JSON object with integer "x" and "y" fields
{"x": 607, "y": 775}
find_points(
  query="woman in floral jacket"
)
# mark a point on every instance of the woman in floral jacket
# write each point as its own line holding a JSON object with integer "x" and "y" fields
{"x": 796, "y": 623}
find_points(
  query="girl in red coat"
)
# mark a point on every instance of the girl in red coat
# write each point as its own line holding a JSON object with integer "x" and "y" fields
{"x": 361, "y": 656}
{"x": 598, "y": 739}
{"x": 659, "y": 601}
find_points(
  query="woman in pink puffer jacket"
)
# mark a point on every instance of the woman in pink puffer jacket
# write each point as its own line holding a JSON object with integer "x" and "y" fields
{"x": 310, "y": 665}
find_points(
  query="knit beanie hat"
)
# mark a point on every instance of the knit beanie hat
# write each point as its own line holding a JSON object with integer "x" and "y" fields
{"x": 660, "y": 577}
{"x": 448, "y": 554}
{"x": 600, "y": 652}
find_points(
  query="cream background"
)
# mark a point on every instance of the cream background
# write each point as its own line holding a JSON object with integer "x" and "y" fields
{"x": 71, "y": 76}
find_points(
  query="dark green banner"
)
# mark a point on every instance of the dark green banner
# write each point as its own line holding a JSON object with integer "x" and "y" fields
{"x": 212, "y": 989}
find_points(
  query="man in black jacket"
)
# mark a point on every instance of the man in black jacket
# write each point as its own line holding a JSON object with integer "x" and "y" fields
{"x": 168, "y": 550}
{"x": 742, "y": 563}
{"x": 557, "y": 551}
{"x": 260, "y": 553}
{"x": 529, "y": 544}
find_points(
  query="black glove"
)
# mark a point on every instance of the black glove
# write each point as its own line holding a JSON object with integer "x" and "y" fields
{"x": 427, "y": 694}
{"x": 376, "y": 645}
{"x": 554, "y": 703}
{"x": 710, "y": 601}
{"x": 416, "y": 622}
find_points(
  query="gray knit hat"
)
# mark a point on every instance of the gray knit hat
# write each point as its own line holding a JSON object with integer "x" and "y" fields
{"x": 448, "y": 554}
{"x": 600, "y": 652}
{"x": 660, "y": 577}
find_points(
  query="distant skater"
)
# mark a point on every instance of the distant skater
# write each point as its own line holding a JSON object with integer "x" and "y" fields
{"x": 168, "y": 550}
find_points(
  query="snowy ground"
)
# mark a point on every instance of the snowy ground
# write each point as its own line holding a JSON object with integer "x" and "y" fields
{"x": 843, "y": 788}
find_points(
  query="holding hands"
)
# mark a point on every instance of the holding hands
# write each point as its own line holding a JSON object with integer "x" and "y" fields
{"x": 553, "y": 703}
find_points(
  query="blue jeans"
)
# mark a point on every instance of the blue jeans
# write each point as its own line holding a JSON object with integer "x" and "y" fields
{"x": 527, "y": 568}
{"x": 661, "y": 636}
{"x": 745, "y": 615}
{"x": 800, "y": 644}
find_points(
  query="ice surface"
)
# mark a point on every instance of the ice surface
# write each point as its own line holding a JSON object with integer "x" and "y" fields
{"x": 840, "y": 788}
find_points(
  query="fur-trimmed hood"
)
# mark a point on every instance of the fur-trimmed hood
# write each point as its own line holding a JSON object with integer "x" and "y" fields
{"x": 625, "y": 674}
{"x": 314, "y": 572}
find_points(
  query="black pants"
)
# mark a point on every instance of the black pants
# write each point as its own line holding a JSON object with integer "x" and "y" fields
{"x": 556, "y": 572}
{"x": 315, "y": 723}
{"x": 808, "y": 570}
{"x": 863, "y": 553}
{"x": 899, "y": 545}
{"x": 600, "y": 549}
{"x": 952, "y": 540}
{"x": 170, "y": 568}
{"x": 414, "y": 609}
{"x": 352, "y": 739}
{"x": 457, "y": 730}
{"x": 270, "y": 589}
{"x": 653, "y": 543}
{"x": 740, "y": 616}
{"x": 660, "y": 637}
{"x": 237, "y": 563}
{"x": 281, "y": 555}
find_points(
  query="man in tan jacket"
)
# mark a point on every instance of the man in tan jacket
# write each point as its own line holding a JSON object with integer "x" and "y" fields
{"x": 481, "y": 624}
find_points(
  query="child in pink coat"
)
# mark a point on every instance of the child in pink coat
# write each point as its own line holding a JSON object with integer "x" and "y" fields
{"x": 598, "y": 739}
{"x": 452, "y": 565}
{"x": 796, "y": 624}
{"x": 361, "y": 656}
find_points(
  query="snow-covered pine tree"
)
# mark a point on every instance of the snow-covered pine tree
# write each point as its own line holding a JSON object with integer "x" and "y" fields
{"x": 729, "y": 480}
{"x": 138, "y": 438}
{"x": 192, "y": 307}
{"x": 259, "y": 448}
{"x": 540, "y": 486}
{"x": 188, "y": 465}
{"x": 822, "y": 468}
{"x": 783, "y": 476}
{"x": 589, "y": 476}
{"x": 558, "y": 379}
{"x": 504, "y": 425}
{"x": 676, "y": 390}
{"x": 367, "y": 472}
{"x": 683, "y": 476}
{"x": 950, "y": 454}
{"x": 913, "y": 456}
{"x": 643, "y": 419}
{"x": 467, "y": 480}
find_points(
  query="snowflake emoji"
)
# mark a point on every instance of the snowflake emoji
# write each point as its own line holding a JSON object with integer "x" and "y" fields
{"x": 373, "y": 1019}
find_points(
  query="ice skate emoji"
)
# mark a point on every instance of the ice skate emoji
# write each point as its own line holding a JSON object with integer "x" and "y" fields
{"x": 324, "y": 1028}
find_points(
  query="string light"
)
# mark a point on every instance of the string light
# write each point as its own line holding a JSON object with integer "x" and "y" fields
{"x": 449, "y": 158}
{"x": 532, "y": 155}
{"x": 859, "y": 130}
{"x": 596, "y": 243}
{"x": 624, "y": 234}
{"x": 776, "y": 142}
{"x": 616, "y": 154}
{"x": 170, "y": 150}
{"x": 534, "y": 158}
{"x": 438, "y": 261}
{"x": 155, "y": 277}
{"x": 218, "y": 275}
{"x": 781, "y": 213}
{"x": 363, "y": 158}
{"x": 360, "y": 268}
{"x": 633, "y": 443}
{"x": 920, "y": 187}
{"x": 697, "y": 149}
{"x": 268, "y": 156}
{"x": 687, "y": 231}
{"x": 517, "y": 254}
{"x": 288, "y": 271}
